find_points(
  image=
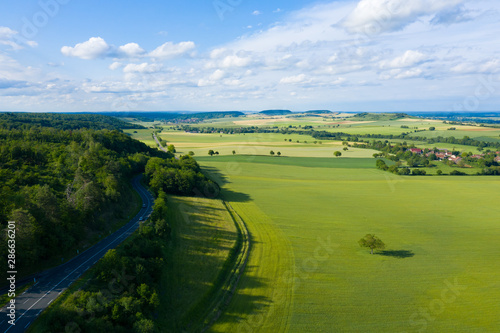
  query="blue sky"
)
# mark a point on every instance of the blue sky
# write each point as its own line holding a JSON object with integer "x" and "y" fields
{"x": 351, "y": 55}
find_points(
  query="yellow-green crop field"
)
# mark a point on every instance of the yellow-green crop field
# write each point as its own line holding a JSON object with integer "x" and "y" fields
{"x": 438, "y": 273}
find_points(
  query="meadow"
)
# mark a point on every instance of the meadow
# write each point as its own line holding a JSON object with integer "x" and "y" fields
{"x": 203, "y": 234}
{"x": 313, "y": 217}
{"x": 306, "y": 211}
{"x": 258, "y": 144}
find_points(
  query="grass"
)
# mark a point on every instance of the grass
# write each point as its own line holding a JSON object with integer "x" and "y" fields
{"x": 309, "y": 162}
{"x": 259, "y": 144}
{"x": 307, "y": 272}
{"x": 203, "y": 235}
{"x": 305, "y": 214}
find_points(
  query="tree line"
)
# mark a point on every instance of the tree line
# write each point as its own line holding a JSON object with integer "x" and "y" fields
{"x": 123, "y": 292}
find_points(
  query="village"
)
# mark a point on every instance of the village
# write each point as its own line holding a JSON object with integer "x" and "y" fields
{"x": 445, "y": 154}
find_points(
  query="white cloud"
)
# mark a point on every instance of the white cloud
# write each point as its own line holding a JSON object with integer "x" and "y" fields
{"x": 294, "y": 79}
{"x": 170, "y": 50}
{"x": 311, "y": 53}
{"x": 143, "y": 68}
{"x": 236, "y": 61}
{"x": 217, "y": 75}
{"x": 94, "y": 48}
{"x": 115, "y": 65}
{"x": 408, "y": 59}
{"x": 217, "y": 53}
{"x": 401, "y": 74}
{"x": 486, "y": 66}
{"x": 375, "y": 16}
{"x": 256, "y": 12}
{"x": 11, "y": 38}
{"x": 131, "y": 50}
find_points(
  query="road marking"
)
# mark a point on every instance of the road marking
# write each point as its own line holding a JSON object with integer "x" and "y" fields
{"x": 98, "y": 252}
{"x": 28, "y": 324}
{"x": 26, "y": 301}
{"x": 50, "y": 302}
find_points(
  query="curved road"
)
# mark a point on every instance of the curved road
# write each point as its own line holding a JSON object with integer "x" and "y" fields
{"x": 53, "y": 282}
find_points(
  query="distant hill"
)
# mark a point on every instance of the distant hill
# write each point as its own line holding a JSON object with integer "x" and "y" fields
{"x": 174, "y": 116}
{"x": 365, "y": 116}
{"x": 318, "y": 111}
{"x": 275, "y": 112}
{"x": 209, "y": 115}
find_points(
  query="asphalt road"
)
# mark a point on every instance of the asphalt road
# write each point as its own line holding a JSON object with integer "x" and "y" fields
{"x": 53, "y": 282}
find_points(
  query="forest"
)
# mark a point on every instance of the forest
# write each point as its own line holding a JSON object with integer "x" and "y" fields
{"x": 63, "y": 179}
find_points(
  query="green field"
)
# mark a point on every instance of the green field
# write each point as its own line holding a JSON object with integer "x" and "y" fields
{"x": 259, "y": 144}
{"x": 314, "y": 217}
{"x": 306, "y": 210}
{"x": 203, "y": 234}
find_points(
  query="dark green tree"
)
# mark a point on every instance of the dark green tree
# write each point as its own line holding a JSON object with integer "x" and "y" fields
{"x": 372, "y": 242}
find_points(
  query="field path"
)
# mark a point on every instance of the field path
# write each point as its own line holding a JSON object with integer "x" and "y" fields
{"x": 263, "y": 300}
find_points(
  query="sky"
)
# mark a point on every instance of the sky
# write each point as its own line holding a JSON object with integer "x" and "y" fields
{"x": 225, "y": 55}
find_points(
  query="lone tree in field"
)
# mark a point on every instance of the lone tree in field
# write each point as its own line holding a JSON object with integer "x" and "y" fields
{"x": 234, "y": 152}
{"x": 372, "y": 242}
{"x": 271, "y": 152}
{"x": 337, "y": 154}
{"x": 211, "y": 152}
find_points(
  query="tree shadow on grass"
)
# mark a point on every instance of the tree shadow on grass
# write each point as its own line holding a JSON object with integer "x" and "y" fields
{"x": 400, "y": 254}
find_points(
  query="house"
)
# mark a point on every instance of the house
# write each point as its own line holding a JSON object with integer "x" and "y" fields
{"x": 440, "y": 156}
{"x": 455, "y": 159}
{"x": 416, "y": 150}
{"x": 497, "y": 159}
{"x": 477, "y": 156}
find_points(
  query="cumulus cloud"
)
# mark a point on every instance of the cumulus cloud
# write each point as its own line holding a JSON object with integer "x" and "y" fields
{"x": 131, "y": 50}
{"x": 256, "y": 12}
{"x": 217, "y": 75}
{"x": 408, "y": 59}
{"x": 171, "y": 50}
{"x": 236, "y": 61}
{"x": 376, "y": 16}
{"x": 94, "y": 48}
{"x": 115, "y": 65}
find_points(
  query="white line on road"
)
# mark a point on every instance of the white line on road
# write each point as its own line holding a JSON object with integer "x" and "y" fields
{"x": 98, "y": 252}
{"x": 28, "y": 324}
{"x": 26, "y": 301}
